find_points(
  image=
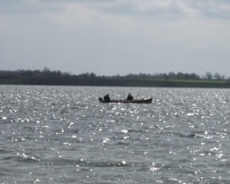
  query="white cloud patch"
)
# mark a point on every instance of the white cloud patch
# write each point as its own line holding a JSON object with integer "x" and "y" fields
{"x": 87, "y": 17}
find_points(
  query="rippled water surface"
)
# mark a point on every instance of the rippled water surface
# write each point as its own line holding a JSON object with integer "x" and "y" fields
{"x": 64, "y": 135}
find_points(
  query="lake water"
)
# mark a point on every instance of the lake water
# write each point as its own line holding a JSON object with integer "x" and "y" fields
{"x": 63, "y": 135}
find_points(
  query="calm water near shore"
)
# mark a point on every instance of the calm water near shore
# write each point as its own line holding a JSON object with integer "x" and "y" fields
{"x": 63, "y": 135}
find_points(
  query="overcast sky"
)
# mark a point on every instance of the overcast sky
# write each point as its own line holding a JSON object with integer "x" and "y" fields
{"x": 110, "y": 37}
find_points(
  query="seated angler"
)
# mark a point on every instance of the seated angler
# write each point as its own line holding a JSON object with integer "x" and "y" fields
{"x": 130, "y": 97}
{"x": 106, "y": 98}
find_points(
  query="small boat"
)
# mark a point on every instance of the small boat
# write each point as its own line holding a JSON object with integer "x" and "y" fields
{"x": 145, "y": 101}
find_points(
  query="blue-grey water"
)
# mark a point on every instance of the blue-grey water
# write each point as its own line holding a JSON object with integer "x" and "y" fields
{"x": 63, "y": 135}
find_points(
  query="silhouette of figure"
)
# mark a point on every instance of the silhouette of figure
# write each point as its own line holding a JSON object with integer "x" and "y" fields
{"x": 129, "y": 97}
{"x": 106, "y": 98}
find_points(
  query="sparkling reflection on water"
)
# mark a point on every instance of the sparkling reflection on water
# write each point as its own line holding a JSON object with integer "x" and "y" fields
{"x": 64, "y": 135}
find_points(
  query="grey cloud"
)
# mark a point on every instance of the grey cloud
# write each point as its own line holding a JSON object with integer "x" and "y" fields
{"x": 207, "y": 8}
{"x": 212, "y": 8}
{"x": 155, "y": 12}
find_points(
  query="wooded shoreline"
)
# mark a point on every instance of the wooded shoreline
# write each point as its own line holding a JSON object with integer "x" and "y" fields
{"x": 47, "y": 77}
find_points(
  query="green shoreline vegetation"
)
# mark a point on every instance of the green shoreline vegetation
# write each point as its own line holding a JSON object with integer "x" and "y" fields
{"x": 47, "y": 77}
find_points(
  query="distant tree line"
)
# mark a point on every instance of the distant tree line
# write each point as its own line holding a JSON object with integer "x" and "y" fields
{"x": 179, "y": 75}
{"x": 48, "y": 77}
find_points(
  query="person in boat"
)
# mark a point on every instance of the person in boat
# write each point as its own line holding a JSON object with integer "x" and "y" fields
{"x": 129, "y": 97}
{"x": 106, "y": 98}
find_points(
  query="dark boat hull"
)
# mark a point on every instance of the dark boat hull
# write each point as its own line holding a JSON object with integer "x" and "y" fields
{"x": 141, "y": 101}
